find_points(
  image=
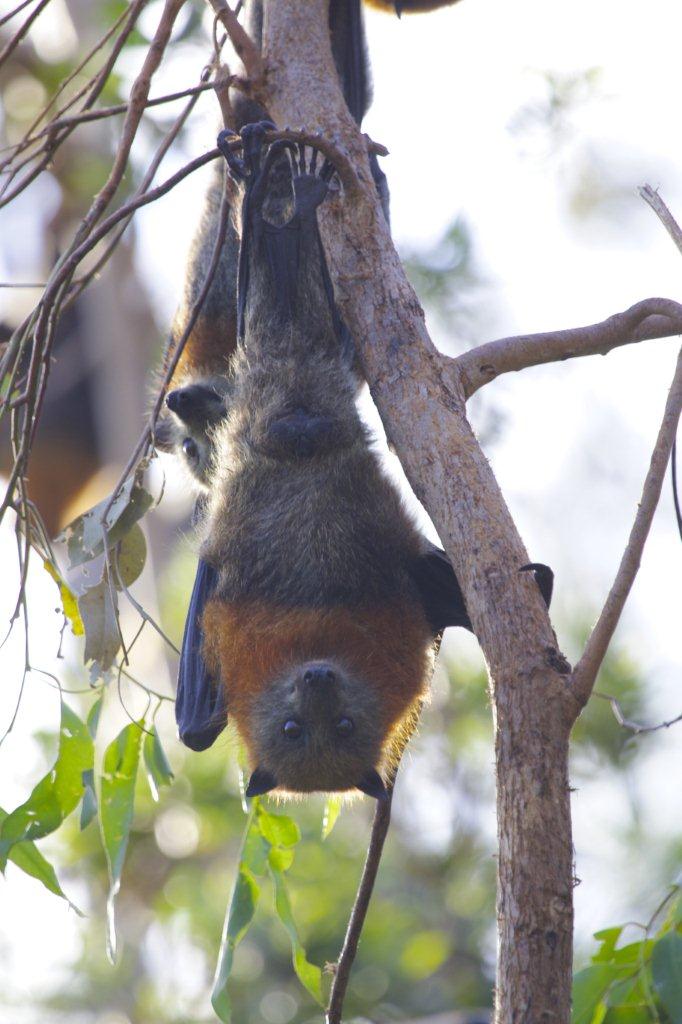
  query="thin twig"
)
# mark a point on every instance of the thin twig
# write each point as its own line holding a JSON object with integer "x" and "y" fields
{"x": 587, "y": 668}
{"x": 146, "y": 437}
{"x": 651, "y": 196}
{"x": 626, "y": 723}
{"x": 382, "y": 820}
{"x": 28, "y": 137}
{"x": 244, "y": 46}
{"x": 119, "y": 108}
{"x": 96, "y": 84}
{"x": 21, "y": 31}
{"x": 651, "y": 318}
{"x": 8, "y": 17}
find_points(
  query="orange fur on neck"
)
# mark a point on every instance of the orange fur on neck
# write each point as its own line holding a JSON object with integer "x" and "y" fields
{"x": 249, "y": 645}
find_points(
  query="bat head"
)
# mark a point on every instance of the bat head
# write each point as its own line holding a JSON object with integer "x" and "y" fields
{"x": 193, "y": 412}
{"x": 316, "y": 727}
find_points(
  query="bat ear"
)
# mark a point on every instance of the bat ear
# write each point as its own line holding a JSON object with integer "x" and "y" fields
{"x": 200, "y": 703}
{"x": 262, "y": 781}
{"x": 372, "y": 784}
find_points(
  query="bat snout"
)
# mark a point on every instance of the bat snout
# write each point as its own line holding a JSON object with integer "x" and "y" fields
{"x": 319, "y": 675}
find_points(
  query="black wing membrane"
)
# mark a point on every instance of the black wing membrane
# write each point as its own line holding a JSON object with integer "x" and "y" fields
{"x": 441, "y": 593}
{"x": 200, "y": 709}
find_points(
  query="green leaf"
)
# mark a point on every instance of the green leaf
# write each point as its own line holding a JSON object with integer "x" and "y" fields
{"x": 69, "y": 600}
{"x": 666, "y": 968}
{"x": 608, "y": 938}
{"x": 629, "y": 1015}
{"x": 94, "y": 716}
{"x": 99, "y": 611}
{"x": 240, "y": 911}
{"x": 279, "y": 859}
{"x": 589, "y": 988}
{"x": 89, "y": 805}
{"x": 28, "y": 857}
{"x": 131, "y": 555}
{"x": 57, "y": 794}
{"x": 310, "y": 975}
{"x": 277, "y": 829}
{"x": 84, "y": 536}
{"x": 332, "y": 809}
{"x": 158, "y": 770}
{"x": 117, "y": 799}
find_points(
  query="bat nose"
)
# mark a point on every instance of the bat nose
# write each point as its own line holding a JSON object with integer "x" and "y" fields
{"x": 177, "y": 401}
{"x": 319, "y": 675}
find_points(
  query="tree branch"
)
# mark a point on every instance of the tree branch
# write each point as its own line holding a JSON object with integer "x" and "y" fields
{"x": 651, "y": 196}
{"x": 243, "y": 45}
{"x": 587, "y": 668}
{"x": 626, "y": 723}
{"x": 382, "y": 820}
{"x": 651, "y": 318}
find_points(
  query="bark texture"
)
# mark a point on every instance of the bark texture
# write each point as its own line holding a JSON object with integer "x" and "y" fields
{"x": 421, "y": 400}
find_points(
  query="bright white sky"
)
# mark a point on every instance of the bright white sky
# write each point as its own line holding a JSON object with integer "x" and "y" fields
{"x": 449, "y": 88}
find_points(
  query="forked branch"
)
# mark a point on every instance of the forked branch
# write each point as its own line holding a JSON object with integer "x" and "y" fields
{"x": 651, "y": 318}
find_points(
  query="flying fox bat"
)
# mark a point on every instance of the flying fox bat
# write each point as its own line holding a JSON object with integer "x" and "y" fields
{"x": 317, "y": 602}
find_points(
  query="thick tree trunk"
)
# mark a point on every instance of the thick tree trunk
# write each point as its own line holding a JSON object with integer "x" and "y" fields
{"x": 422, "y": 404}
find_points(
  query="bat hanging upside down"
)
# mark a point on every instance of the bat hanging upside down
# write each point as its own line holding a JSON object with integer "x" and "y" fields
{"x": 317, "y": 602}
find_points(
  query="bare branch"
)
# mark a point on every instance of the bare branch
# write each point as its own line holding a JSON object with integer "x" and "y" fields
{"x": 95, "y": 85}
{"x": 651, "y": 318}
{"x": 12, "y": 14}
{"x": 244, "y": 46}
{"x": 651, "y": 196}
{"x": 119, "y": 108}
{"x": 587, "y": 668}
{"x": 21, "y": 31}
{"x": 634, "y": 726}
{"x": 382, "y": 820}
{"x": 28, "y": 136}
{"x": 138, "y": 98}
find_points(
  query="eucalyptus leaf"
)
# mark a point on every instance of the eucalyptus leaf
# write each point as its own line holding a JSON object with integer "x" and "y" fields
{"x": 99, "y": 611}
{"x": 310, "y": 975}
{"x": 89, "y": 805}
{"x": 666, "y": 969}
{"x": 57, "y": 793}
{"x": 68, "y": 599}
{"x": 30, "y": 860}
{"x": 240, "y": 912}
{"x": 117, "y": 801}
{"x": 84, "y": 536}
{"x": 94, "y": 715}
{"x": 131, "y": 554}
{"x": 158, "y": 769}
{"x": 277, "y": 829}
{"x": 332, "y": 809}
{"x": 589, "y": 988}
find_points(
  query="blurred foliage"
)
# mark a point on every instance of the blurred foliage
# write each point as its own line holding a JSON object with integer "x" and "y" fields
{"x": 428, "y": 944}
{"x": 636, "y": 982}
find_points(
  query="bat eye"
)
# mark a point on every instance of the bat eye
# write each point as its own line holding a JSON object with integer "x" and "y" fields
{"x": 190, "y": 449}
{"x": 345, "y": 726}
{"x": 292, "y": 729}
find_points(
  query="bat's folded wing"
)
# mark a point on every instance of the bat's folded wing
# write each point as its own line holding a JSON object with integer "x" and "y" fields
{"x": 200, "y": 709}
{"x": 440, "y": 590}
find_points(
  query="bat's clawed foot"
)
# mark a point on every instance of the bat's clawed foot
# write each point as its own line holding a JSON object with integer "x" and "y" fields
{"x": 253, "y": 140}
